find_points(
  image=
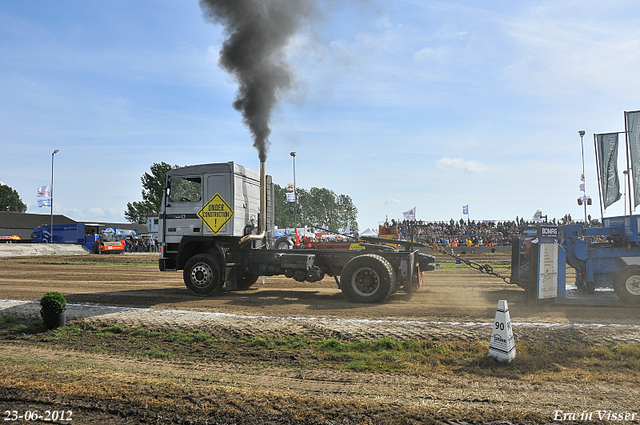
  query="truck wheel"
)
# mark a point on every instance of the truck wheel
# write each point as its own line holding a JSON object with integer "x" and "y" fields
{"x": 202, "y": 275}
{"x": 246, "y": 281}
{"x": 626, "y": 284}
{"x": 367, "y": 278}
{"x": 283, "y": 242}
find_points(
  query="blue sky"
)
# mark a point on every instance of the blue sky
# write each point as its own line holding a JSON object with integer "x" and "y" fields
{"x": 398, "y": 103}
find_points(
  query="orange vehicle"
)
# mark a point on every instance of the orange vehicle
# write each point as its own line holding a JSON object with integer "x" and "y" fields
{"x": 112, "y": 247}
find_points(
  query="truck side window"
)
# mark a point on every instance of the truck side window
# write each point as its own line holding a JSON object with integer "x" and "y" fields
{"x": 185, "y": 189}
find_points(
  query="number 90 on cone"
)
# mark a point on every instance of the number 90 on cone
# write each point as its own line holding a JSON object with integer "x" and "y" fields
{"x": 502, "y": 346}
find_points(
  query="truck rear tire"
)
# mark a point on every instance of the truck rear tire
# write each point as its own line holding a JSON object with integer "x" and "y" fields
{"x": 203, "y": 275}
{"x": 246, "y": 281}
{"x": 367, "y": 278}
{"x": 626, "y": 284}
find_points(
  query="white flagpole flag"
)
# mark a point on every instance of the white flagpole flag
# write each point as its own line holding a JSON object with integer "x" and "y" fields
{"x": 410, "y": 215}
{"x": 44, "y": 196}
{"x": 44, "y": 191}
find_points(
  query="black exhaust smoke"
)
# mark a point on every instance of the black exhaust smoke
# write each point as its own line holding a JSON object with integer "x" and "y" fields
{"x": 258, "y": 31}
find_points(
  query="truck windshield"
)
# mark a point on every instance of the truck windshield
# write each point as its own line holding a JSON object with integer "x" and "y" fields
{"x": 185, "y": 189}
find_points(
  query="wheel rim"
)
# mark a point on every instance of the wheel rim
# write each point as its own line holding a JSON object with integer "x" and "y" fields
{"x": 283, "y": 245}
{"x": 365, "y": 281}
{"x": 632, "y": 285}
{"x": 201, "y": 275}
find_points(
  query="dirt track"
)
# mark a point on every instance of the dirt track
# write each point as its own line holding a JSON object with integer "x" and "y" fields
{"x": 460, "y": 295}
{"x": 453, "y": 305}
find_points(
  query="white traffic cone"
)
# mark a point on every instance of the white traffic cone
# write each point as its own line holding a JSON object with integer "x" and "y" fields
{"x": 502, "y": 346}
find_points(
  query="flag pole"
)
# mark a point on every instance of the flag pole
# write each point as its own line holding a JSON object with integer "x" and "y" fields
{"x": 51, "y": 230}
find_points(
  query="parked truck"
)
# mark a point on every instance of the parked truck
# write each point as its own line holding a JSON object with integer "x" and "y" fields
{"x": 62, "y": 233}
{"x": 216, "y": 225}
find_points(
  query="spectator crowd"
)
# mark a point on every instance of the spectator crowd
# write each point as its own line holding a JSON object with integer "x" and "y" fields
{"x": 463, "y": 232}
{"x": 141, "y": 245}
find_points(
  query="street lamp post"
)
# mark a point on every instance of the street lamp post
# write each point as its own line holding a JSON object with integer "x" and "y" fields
{"x": 51, "y": 232}
{"x": 295, "y": 197}
{"x": 584, "y": 185}
{"x": 625, "y": 172}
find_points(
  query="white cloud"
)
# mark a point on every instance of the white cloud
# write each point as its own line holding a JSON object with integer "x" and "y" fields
{"x": 459, "y": 164}
{"x": 391, "y": 201}
{"x": 428, "y": 53}
{"x": 559, "y": 52}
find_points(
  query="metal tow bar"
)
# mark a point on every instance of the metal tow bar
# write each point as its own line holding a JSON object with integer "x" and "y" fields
{"x": 482, "y": 268}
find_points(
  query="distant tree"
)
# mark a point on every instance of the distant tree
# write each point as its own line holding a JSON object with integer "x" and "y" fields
{"x": 137, "y": 212}
{"x": 10, "y": 200}
{"x": 347, "y": 212}
{"x": 152, "y": 189}
{"x": 317, "y": 207}
{"x": 282, "y": 216}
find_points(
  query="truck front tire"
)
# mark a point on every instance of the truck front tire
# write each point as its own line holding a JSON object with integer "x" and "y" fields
{"x": 203, "y": 275}
{"x": 626, "y": 284}
{"x": 367, "y": 278}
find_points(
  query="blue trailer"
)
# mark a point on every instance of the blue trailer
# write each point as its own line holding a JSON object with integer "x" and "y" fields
{"x": 94, "y": 237}
{"x": 63, "y": 233}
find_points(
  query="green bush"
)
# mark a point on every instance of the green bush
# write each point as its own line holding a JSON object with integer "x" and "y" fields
{"x": 53, "y": 302}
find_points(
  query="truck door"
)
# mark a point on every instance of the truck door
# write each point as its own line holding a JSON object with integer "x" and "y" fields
{"x": 182, "y": 203}
{"x": 219, "y": 184}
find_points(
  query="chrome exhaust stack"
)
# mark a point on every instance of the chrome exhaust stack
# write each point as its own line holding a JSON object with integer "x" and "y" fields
{"x": 263, "y": 197}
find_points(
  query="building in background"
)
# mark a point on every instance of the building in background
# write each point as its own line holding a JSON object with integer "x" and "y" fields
{"x": 22, "y": 224}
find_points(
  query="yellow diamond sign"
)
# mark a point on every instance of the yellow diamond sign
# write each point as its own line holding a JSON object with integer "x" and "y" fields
{"x": 215, "y": 213}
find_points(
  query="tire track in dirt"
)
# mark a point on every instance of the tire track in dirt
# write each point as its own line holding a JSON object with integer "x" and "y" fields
{"x": 325, "y": 328}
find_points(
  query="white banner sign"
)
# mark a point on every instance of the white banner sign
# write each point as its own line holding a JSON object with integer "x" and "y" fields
{"x": 548, "y": 271}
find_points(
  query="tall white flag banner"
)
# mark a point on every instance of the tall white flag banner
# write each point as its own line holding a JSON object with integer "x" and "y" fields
{"x": 632, "y": 123}
{"x": 44, "y": 191}
{"x": 410, "y": 215}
